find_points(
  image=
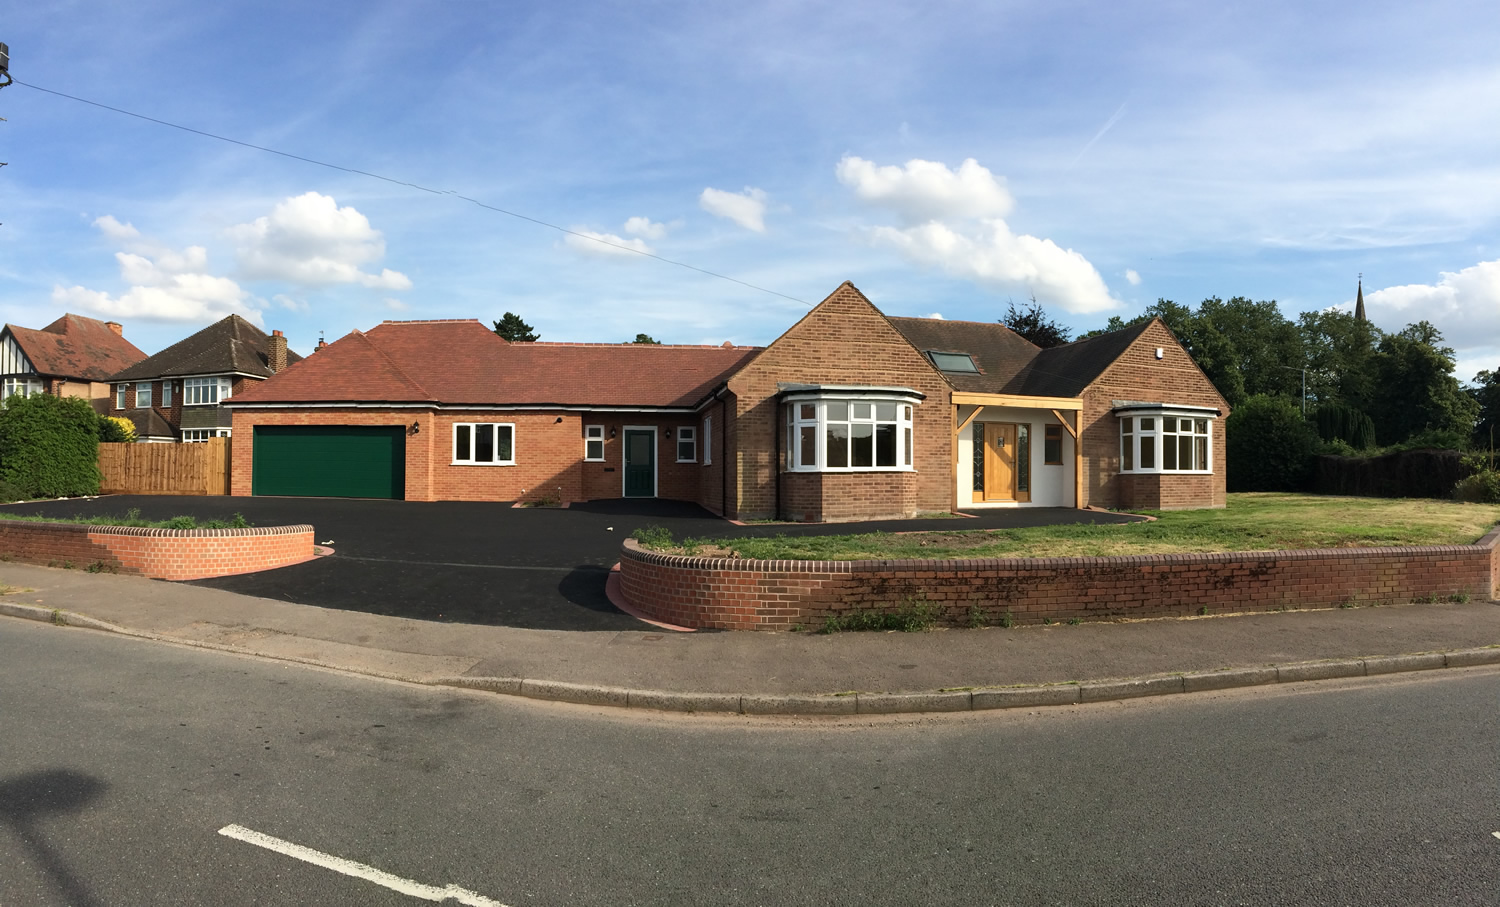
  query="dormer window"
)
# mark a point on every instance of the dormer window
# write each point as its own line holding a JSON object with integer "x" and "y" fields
{"x": 953, "y": 362}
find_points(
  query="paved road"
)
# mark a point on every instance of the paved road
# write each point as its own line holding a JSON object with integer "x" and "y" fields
{"x": 478, "y": 563}
{"x": 121, "y": 760}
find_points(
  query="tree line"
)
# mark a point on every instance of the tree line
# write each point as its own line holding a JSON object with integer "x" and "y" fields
{"x": 1403, "y": 382}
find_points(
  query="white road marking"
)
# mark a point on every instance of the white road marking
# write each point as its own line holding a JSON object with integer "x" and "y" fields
{"x": 1496, "y": 833}
{"x": 358, "y": 870}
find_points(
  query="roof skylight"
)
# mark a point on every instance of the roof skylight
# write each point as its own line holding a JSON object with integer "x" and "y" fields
{"x": 953, "y": 362}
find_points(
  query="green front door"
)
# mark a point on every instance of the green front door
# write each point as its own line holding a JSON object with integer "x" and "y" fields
{"x": 640, "y": 463}
{"x": 329, "y": 461}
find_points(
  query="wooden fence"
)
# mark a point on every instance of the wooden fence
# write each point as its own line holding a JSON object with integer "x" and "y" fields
{"x": 130, "y": 468}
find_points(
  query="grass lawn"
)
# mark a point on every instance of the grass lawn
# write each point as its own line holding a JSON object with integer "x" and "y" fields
{"x": 1251, "y": 522}
{"x": 132, "y": 518}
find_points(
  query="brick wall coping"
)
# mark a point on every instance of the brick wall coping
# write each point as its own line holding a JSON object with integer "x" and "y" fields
{"x": 634, "y": 551}
{"x": 150, "y": 532}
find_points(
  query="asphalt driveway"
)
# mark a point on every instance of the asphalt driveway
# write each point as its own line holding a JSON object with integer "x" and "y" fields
{"x": 480, "y": 563}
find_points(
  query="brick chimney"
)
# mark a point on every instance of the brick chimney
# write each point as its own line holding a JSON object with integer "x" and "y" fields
{"x": 276, "y": 352}
{"x": 115, "y": 326}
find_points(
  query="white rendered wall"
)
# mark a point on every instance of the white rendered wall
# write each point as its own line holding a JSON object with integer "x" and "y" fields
{"x": 1051, "y": 486}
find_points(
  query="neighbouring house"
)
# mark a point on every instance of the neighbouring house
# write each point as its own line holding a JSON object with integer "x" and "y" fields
{"x": 848, "y": 415}
{"x": 73, "y": 356}
{"x": 179, "y": 393}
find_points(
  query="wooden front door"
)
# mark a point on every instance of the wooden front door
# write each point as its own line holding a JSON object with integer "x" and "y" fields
{"x": 999, "y": 461}
{"x": 640, "y": 464}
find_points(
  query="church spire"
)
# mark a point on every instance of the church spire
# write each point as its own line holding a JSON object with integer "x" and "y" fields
{"x": 1359, "y": 301}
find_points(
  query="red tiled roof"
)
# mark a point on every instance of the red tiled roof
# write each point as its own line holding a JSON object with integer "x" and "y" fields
{"x": 76, "y": 347}
{"x": 464, "y": 362}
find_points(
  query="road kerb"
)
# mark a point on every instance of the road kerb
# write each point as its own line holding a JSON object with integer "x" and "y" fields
{"x": 1320, "y": 670}
{"x": 1394, "y": 664}
{"x": 663, "y": 701}
{"x": 902, "y": 703}
{"x": 798, "y": 705}
{"x": 1228, "y": 679}
{"x": 1023, "y": 697}
{"x": 1108, "y": 690}
{"x": 1468, "y": 658}
{"x": 577, "y": 693}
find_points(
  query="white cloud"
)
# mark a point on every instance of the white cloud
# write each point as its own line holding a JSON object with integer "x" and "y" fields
{"x": 309, "y": 240}
{"x": 936, "y": 315}
{"x": 166, "y": 284}
{"x": 642, "y": 226}
{"x": 1465, "y": 306}
{"x": 748, "y": 208}
{"x": 1132, "y": 277}
{"x": 287, "y": 302}
{"x": 928, "y": 190}
{"x": 591, "y": 243}
{"x": 997, "y": 257}
{"x": 396, "y": 305}
{"x": 952, "y": 221}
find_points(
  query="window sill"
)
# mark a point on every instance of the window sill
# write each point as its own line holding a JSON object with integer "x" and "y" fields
{"x": 472, "y": 463}
{"x": 1166, "y": 472}
{"x": 847, "y": 470}
{"x": 594, "y": 460}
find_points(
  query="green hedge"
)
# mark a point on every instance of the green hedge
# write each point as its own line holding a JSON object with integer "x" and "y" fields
{"x": 49, "y": 446}
{"x": 1270, "y": 446}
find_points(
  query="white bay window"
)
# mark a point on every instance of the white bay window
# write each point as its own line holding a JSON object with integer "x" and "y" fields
{"x": 858, "y": 432}
{"x": 1166, "y": 439}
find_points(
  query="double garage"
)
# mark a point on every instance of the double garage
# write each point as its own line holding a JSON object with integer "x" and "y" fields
{"x": 329, "y": 461}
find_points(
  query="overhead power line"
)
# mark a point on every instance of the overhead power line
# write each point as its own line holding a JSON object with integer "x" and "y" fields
{"x": 418, "y": 186}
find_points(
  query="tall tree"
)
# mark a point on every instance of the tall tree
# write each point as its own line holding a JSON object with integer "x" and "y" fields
{"x": 1034, "y": 325}
{"x": 1486, "y": 393}
{"x": 1340, "y": 352}
{"x": 1416, "y": 388}
{"x": 1267, "y": 348}
{"x": 512, "y": 328}
{"x": 645, "y": 338}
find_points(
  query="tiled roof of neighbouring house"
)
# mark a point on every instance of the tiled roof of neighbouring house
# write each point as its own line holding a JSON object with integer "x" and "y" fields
{"x": 1010, "y": 364}
{"x": 76, "y": 347}
{"x": 464, "y": 362}
{"x": 228, "y": 345}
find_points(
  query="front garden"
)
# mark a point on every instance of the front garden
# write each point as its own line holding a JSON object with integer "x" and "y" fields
{"x": 1251, "y": 522}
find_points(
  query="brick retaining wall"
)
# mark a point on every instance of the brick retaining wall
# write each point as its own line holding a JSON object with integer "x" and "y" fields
{"x": 722, "y": 593}
{"x": 175, "y": 554}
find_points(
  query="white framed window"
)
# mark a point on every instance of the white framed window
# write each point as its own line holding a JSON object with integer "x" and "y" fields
{"x": 205, "y": 391}
{"x": 166, "y": 394}
{"x": 120, "y": 390}
{"x": 687, "y": 444}
{"x": 708, "y": 440}
{"x": 143, "y": 394}
{"x": 593, "y": 443}
{"x": 199, "y": 435}
{"x": 484, "y": 444}
{"x": 21, "y": 387}
{"x": 848, "y": 435}
{"x": 1165, "y": 441}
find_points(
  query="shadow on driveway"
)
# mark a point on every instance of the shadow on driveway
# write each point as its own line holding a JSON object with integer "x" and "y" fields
{"x": 485, "y": 563}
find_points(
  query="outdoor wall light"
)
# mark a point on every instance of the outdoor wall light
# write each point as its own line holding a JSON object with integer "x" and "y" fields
{"x": 669, "y": 434}
{"x": 611, "y": 432}
{"x": 559, "y": 420}
{"x": 415, "y": 428}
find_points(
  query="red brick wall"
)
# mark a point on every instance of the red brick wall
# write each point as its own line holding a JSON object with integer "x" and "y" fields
{"x": 780, "y": 595}
{"x": 844, "y": 340}
{"x": 834, "y": 497}
{"x": 173, "y": 554}
{"x": 1138, "y": 375}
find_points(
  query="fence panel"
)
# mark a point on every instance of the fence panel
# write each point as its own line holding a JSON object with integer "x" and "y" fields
{"x": 165, "y": 468}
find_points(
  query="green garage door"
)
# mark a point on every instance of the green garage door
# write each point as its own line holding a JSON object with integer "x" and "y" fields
{"x": 330, "y": 461}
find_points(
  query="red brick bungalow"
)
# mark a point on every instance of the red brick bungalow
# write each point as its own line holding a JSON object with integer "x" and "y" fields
{"x": 848, "y": 415}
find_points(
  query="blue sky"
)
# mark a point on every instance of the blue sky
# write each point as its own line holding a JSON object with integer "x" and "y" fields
{"x": 946, "y": 157}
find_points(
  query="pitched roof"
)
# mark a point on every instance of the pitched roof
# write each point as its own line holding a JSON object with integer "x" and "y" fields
{"x": 1064, "y": 371}
{"x": 230, "y": 344}
{"x": 464, "y": 362}
{"x": 1011, "y": 364}
{"x": 76, "y": 347}
{"x": 999, "y": 352}
{"x": 150, "y": 423}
